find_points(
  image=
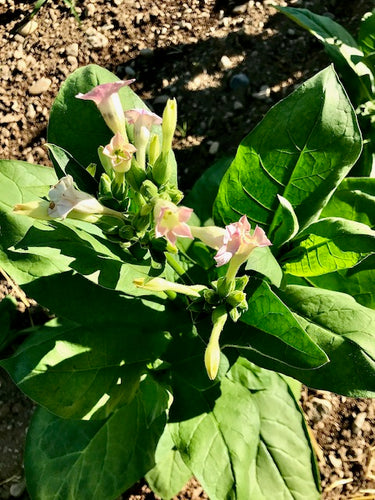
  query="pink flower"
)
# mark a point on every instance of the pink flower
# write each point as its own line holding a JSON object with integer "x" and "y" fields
{"x": 170, "y": 221}
{"x": 108, "y": 102}
{"x": 142, "y": 118}
{"x": 120, "y": 153}
{"x": 238, "y": 243}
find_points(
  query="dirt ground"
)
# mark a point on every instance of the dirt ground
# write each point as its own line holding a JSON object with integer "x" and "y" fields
{"x": 227, "y": 62}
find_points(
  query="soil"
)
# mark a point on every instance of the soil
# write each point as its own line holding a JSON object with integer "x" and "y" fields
{"x": 227, "y": 62}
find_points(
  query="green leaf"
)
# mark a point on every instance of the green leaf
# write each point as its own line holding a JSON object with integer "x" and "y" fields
{"x": 203, "y": 193}
{"x": 98, "y": 349}
{"x": 83, "y": 247}
{"x": 22, "y": 182}
{"x": 262, "y": 261}
{"x": 354, "y": 199}
{"x": 247, "y": 438}
{"x": 318, "y": 141}
{"x": 341, "y": 48}
{"x": 357, "y": 282}
{"x": 343, "y": 329}
{"x": 366, "y": 34}
{"x": 65, "y": 164}
{"x": 332, "y": 244}
{"x": 170, "y": 473}
{"x": 288, "y": 223}
{"x": 269, "y": 314}
{"x": 68, "y": 459}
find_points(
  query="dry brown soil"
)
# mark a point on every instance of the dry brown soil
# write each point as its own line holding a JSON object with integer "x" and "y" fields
{"x": 226, "y": 62}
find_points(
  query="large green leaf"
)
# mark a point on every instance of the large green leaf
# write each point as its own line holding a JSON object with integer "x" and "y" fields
{"x": 342, "y": 328}
{"x": 357, "y": 281}
{"x": 354, "y": 199}
{"x": 316, "y": 144}
{"x": 341, "y": 48}
{"x": 22, "y": 182}
{"x": 269, "y": 314}
{"x": 170, "y": 473}
{"x": 67, "y": 460}
{"x": 248, "y": 431}
{"x": 331, "y": 244}
{"x": 83, "y": 247}
{"x": 86, "y": 365}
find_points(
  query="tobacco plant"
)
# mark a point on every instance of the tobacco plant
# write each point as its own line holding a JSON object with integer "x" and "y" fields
{"x": 183, "y": 327}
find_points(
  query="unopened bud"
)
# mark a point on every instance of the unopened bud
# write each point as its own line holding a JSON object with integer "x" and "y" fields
{"x": 162, "y": 169}
{"x": 154, "y": 149}
{"x": 148, "y": 189}
{"x": 169, "y": 124}
{"x": 135, "y": 176}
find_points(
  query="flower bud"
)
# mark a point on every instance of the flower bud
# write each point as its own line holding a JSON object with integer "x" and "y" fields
{"x": 35, "y": 209}
{"x": 169, "y": 124}
{"x": 212, "y": 353}
{"x": 154, "y": 149}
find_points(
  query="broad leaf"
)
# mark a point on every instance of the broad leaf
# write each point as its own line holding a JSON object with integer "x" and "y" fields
{"x": 83, "y": 247}
{"x": 248, "y": 431}
{"x": 22, "y": 182}
{"x": 76, "y": 459}
{"x": 331, "y": 244}
{"x": 357, "y": 281}
{"x": 99, "y": 351}
{"x": 341, "y": 48}
{"x": 354, "y": 199}
{"x": 316, "y": 144}
{"x": 269, "y": 314}
{"x": 170, "y": 473}
{"x": 342, "y": 328}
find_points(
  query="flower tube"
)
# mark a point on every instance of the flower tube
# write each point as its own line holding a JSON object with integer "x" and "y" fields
{"x": 107, "y": 99}
{"x": 65, "y": 198}
{"x": 143, "y": 120}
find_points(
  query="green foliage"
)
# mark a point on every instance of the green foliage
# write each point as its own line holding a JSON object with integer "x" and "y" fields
{"x": 245, "y": 454}
{"x": 78, "y": 459}
{"x": 120, "y": 370}
{"x": 355, "y": 63}
{"x": 292, "y": 163}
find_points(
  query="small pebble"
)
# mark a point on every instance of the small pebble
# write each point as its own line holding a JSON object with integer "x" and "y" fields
{"x": 72, "y": 50}
{"x": 40, "y": 86}
{"x": 95, "y": 39}
{"x": 90, "y": 9}
{"x": 263, "y": 93}
{"x": 17, "y": 489}
{"x": 28, "y": 28}
{"x": 225, "y": 63}
{"x": 239, "y": 81}
{"x": 146, "y": 52}
{"x": 358, "y": 422}
{"x": 240, "y": 9}
{"x": 214, "y": 148}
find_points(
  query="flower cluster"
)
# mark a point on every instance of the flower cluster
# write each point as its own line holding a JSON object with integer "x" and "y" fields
{"x": 146, "y": 203}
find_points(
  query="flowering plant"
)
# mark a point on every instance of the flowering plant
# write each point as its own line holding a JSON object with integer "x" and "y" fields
{"x": 183, "y": 326}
